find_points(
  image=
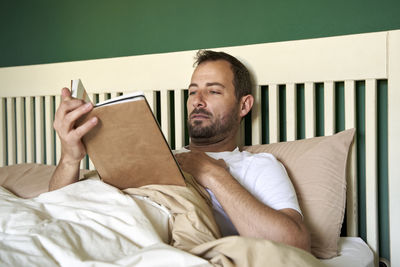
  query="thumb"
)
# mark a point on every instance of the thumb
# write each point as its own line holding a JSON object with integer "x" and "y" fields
{"x": 65, "y": 93}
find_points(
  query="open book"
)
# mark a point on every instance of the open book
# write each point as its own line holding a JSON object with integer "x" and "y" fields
{"x": 127, "y": 146}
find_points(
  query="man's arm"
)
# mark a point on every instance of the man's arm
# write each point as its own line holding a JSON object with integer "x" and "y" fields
{"x": 72, "y": 148}
{"x": 250, "y": 217}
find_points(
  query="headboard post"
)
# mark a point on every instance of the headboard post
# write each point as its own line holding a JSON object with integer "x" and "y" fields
{"x": 394, "y": 144}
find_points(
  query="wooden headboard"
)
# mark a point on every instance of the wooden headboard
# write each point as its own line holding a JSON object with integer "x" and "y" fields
{"x": 303, "y": 89}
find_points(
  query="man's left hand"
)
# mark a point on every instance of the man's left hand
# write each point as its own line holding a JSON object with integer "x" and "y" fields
{"x": 202, "y": 167}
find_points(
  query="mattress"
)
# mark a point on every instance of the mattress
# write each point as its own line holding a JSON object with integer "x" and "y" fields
{"x": 354, "y": 252}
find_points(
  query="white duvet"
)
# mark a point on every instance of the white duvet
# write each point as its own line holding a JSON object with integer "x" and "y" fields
{"x": 85, "y": 224}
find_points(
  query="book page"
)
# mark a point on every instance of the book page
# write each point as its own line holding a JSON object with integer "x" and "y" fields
{"x": 79, "y": 91}
{"x": 121, "y": 99}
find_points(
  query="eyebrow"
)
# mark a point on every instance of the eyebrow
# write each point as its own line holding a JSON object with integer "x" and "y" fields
{"x": 208, "y": 84}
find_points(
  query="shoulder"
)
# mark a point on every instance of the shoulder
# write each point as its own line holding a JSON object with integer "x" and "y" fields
{"x": 262, "y": 159}
{"x": 266, "y": 170}
{"x": 258, "y": 156}
{"x": 263, "y": 169}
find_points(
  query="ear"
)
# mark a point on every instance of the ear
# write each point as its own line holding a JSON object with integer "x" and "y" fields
{"x": 246, "y": 103}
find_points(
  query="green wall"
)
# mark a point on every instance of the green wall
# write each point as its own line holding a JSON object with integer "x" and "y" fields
{"x": 44, "y": 31}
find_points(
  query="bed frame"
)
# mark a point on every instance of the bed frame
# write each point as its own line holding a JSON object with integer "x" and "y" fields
{"x": 29, "y": 96}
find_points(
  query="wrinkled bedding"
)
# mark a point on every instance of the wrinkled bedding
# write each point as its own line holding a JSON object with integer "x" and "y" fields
{"x": 90, "y": 223}
{"x": 85, "y": 224}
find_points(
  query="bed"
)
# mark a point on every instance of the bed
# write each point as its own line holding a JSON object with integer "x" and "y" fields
{"x": 306, "y": 113}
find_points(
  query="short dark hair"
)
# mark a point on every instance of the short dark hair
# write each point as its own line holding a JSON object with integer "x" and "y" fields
{"x": 241, "y": 75}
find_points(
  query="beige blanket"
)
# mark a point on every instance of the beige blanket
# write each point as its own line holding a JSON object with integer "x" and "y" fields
{"x": 194, "y": 230}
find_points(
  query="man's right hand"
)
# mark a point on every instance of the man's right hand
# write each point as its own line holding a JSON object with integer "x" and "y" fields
{"x": 69, "y": 111}
{"x": 72, "y": 148}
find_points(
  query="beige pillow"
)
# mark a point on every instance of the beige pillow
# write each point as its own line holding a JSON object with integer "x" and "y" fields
{"x": 317, "y": 168}
{"x": 27, "y": 180}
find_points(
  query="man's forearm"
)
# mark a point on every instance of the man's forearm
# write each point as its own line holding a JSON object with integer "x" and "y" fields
{"x": 254, "y": 219}
{"x": 64, "y": 174}
{"x": 250, "y": 217}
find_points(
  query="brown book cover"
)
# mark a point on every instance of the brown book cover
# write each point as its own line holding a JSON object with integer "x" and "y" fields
{"x": 127, "y": 146}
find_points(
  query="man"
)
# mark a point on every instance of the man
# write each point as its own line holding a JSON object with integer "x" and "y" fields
{"x": 251, "y": 194}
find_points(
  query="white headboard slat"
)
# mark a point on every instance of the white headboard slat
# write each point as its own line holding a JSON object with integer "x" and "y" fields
{"x": 329, "y": 108}
{"x": 11, "y": 141}
{"x": 371, "y": 164}
{"x": 165, "y": 114}
{"x": 352, "y": 190}
{"x": 291, "y": 118}
{"x": 30, "y": 128}
{"x": 309, "y": 99}
{"x": 256, "y": 129}
{"x": 39, "y": 129}
{"x": 58, "y": 142}
{"x": 20, "y": 119}
{"x": 273, "y": 104}
{"x": 179, "y": 118}
{"x": 49, "y": 132}
{"x": 3, "y": 133}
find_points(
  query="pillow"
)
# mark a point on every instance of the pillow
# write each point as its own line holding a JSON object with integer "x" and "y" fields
{"x": 317, "y": 168}
{"x": 27, "y": 180}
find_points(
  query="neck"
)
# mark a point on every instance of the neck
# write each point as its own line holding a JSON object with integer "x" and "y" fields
{"x": 209, "y": 145}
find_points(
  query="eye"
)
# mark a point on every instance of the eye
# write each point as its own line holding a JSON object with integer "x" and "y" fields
{"x": 215, "y": 92}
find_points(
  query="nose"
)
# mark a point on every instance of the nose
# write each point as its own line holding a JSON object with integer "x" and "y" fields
{"x": 198, "y": 100}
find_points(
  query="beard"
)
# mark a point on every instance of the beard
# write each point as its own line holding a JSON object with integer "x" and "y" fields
{"x": 216, "y": 129}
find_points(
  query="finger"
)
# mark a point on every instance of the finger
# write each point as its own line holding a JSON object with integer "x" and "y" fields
{"x": 67, "y": 101}
{"x": 68, "y": 105}
{"x": 65, "y": 94}
{"x": 64, "y": 108}
{"x": 83, "y": 129}
{"x": 72, "y": 116}
{"x": 65, "y": 118}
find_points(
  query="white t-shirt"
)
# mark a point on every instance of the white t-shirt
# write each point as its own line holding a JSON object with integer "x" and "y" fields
{"x": 262, "y": 175}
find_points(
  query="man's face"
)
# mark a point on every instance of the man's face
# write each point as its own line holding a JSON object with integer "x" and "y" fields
{"x": 213, "y": 110}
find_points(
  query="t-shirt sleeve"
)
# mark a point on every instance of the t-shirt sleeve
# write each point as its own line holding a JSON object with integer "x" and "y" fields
{"x": 272, "y": 185}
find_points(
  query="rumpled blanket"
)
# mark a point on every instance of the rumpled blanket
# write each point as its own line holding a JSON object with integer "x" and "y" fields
{"x": 91, "y": 223}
